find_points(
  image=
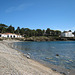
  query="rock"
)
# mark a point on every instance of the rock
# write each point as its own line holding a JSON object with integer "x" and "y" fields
{"x": 53, "y": 69}
{"x": 57, "y": 54}
{"x": 27, "y": 56}
{"x": 63, "y": 73}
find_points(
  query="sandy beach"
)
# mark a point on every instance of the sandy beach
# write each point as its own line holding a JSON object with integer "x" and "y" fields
{"x": 13, "y": 62}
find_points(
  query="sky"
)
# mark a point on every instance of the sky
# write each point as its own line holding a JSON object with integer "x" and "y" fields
{"x": 38, "y": 14}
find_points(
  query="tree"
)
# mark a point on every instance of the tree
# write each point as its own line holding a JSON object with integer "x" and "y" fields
{"x": 52, "y": 32}
{"x": 3, "y": 28}
{"x": 3, "y": 25}
{"x": 22, "y": 31}
{"x": 44, "y": 32}
{"x": 70, "y": 31}
{"x": 74, "y": 33}
{"x": 33, "y": 32}
{"x": 48, "y": 31}
{"x": 28, "y": 32}
{"x": 10, "y": 29}
{"x": 57, "y": 32}
{"x": 17, "y": 31}
{"x": 39, "y": 32}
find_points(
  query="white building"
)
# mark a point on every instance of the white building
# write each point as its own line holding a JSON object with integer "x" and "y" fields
{"x": 10, "y": 35}
{"x": 67, "y": 34}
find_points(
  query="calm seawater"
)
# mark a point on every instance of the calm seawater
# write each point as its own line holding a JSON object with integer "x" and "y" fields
{"x": 47, "y": 51}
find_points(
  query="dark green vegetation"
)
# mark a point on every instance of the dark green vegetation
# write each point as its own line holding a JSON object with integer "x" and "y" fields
{"x": 34, "y": 35}
{"x": 26, "y": 32}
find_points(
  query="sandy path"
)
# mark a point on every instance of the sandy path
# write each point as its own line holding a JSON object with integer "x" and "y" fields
{"x": 13, "y": 62}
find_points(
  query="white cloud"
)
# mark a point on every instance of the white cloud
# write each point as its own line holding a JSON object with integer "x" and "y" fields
{"x": 18, "y": 8}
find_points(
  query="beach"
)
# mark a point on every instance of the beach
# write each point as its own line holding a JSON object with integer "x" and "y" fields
{"x": 13, "y": 62}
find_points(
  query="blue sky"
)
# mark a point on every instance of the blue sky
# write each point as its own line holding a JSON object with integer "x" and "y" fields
{"x": 38, "y": 14}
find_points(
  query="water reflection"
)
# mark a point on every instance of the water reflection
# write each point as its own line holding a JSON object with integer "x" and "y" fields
{"x": 47, "y": 51}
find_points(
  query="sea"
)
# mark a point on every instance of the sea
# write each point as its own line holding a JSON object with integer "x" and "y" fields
{"x": 60, "y": 53}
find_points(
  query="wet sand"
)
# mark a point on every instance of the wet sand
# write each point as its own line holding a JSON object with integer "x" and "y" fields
{"x": 13, "y": 62}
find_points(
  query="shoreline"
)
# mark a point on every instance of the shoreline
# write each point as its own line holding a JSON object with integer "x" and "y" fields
{"x": 54, "y": 68}
{"x": 12, "y": 62}
{"x": 41, "y": 38}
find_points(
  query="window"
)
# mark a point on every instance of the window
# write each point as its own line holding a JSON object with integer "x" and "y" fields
{"x": 0, "y": 35}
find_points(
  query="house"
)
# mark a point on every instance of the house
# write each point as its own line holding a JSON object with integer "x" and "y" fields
{"x": 19, "y": 36}
{"x": 67, "y": 34}
{"x": 10, "y": 35}
{"x": 3, "y": 35}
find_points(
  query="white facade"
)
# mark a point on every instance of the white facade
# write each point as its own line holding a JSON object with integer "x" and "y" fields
{"x": 67, "y": 34}
{"x": 19, "y": 36}
{"x": 10, "y": 35}
{"x": 3, "y": 35}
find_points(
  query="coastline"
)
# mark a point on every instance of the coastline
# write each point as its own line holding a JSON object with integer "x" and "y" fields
{"x": 12, "y": 62}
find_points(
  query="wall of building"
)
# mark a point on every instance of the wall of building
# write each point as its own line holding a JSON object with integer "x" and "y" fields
{"x": 10, "y": 36}
{"x": 67, "y": 34}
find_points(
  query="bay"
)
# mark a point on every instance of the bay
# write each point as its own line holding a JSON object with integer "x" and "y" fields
{"x": 60, "y": 53}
